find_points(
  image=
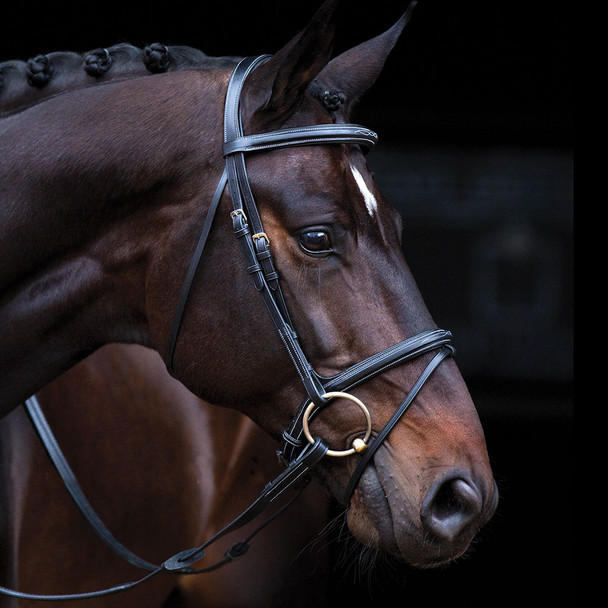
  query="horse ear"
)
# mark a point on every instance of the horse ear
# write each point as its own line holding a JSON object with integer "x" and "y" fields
{"x": 352, "y": 73}
{"x": 281, "y": 81}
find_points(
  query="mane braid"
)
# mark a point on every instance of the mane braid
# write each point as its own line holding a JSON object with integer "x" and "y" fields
{"x": 27, "y": 83}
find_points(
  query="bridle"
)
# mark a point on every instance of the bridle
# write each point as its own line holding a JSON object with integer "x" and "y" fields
{"x": 249, "y": 231}
{"x": 300, "y": 451}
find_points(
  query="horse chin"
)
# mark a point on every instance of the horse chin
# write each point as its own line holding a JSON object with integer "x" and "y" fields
{"x": 379, "y": 517}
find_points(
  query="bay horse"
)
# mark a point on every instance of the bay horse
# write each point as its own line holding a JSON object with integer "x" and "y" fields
{"x": 120, "y": 169}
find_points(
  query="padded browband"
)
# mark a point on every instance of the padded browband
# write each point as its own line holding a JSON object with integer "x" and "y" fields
{"x": 303, "y": 136}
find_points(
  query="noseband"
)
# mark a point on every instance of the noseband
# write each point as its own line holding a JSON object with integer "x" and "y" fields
{"x": 300, "y": 451}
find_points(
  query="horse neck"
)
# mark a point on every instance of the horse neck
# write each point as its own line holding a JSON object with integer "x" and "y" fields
{"x": 94, "y": 185}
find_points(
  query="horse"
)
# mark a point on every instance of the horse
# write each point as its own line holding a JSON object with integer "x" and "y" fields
{"x": 116, "y": 179}
{"x": 163, "y": 470}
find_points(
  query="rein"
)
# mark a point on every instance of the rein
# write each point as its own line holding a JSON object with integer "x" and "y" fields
{"x": 300, "y": 451}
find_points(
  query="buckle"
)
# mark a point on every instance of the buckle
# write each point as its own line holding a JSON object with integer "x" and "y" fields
{"x": 236, "y": 212}
{"x": 261, "y": 235}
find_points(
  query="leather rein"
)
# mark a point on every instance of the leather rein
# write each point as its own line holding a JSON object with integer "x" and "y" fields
{"x": 300, "y": 451}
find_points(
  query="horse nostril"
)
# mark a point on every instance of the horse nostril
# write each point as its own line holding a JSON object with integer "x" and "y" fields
{"x": 450, "y": 508}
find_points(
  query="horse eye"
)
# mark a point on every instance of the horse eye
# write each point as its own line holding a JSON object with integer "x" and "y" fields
{"x": 315, "y": 242}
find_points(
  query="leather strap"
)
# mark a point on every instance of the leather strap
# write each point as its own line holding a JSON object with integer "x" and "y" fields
{"x": 302, "y": 136}
{"x": 32, "y": 407}
{"x": 295, "y": 476}
{"x": 77, "y": 596}
{"x": 273, "y": 490}
{"x": 192, "y": 268}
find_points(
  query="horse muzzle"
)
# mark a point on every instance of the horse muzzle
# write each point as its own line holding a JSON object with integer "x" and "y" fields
{"x": 437, "y": 530}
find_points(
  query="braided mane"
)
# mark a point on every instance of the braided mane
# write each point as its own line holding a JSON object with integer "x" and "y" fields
{"x": 26, "y": 83}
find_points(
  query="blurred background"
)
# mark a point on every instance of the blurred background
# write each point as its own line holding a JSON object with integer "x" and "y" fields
{"x": 476, "y": 152}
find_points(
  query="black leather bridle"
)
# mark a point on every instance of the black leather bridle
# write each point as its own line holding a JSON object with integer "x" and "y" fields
{"x": 248, "y": 229}
{"x": 299, "y": 451}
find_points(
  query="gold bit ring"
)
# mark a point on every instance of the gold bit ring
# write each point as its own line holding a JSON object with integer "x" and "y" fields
{"x": 359, "y": 444}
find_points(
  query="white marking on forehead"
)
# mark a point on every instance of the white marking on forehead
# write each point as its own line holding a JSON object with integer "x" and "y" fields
{"x": 370, "y": 200}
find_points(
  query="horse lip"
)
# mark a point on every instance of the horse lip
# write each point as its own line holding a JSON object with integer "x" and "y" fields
{"x": 372, "y": 495}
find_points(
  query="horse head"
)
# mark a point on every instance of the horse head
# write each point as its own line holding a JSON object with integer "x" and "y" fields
{"x": 336, "y": 244}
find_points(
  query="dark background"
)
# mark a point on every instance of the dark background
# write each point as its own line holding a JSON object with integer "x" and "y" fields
{"x": 474, "y": 116}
